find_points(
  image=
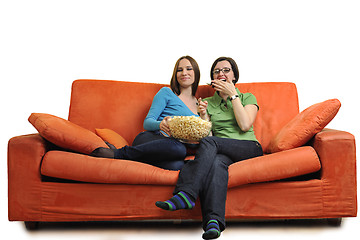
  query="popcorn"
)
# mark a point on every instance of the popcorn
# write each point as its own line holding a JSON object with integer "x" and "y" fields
{"x": 189, "y": 128}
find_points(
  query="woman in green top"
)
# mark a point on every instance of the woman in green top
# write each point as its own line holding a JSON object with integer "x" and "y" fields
{"x": 232, "y": 114}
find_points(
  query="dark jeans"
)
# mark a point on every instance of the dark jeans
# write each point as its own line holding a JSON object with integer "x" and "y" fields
{"x": 155, "y": 149}
{"x": 207, "y": 175}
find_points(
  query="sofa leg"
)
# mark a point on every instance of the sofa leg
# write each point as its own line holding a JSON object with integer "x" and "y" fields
{"x": 31, "y": 226}
{"x": 334, "y": 222}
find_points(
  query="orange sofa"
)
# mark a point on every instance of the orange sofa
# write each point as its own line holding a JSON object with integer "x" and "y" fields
{"x": 48, "y": 183}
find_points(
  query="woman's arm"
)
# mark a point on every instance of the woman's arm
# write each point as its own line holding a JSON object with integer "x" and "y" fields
{"x": 202, "y": 106}
{"x": 158, "y": 105}
{"x": 245, "y": 116}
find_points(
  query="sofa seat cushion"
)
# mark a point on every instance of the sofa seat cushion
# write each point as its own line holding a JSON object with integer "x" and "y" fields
{"x": 78, "y": 167}
{"x": 84, "y": 168}
{"x": 275, "y": 166}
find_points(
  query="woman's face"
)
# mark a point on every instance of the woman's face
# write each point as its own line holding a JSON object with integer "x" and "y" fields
{"x": 185, "y": 73}
{"x": 223, "y": 71}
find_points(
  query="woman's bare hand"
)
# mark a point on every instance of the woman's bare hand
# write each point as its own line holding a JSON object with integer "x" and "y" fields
{"x": 202, "y": 106}
{"x": 164, "y": 126}
{"x": 227, "y": 88}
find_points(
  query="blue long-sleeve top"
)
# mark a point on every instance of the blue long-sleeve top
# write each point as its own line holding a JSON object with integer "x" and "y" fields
{"x": 165, "y": 103}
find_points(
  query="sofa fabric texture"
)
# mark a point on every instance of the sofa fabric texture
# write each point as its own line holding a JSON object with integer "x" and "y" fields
{"x": 277, "y": 166}
{"x": 58, "y": 183}
{"x": 305, "y": 125}
{"x": 111, "y": 137}
{"x": 65, "y": 134}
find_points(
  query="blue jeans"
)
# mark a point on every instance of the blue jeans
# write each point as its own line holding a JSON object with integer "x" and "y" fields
{"x": 155, "y": 149}
{"x": 207, "y": 175}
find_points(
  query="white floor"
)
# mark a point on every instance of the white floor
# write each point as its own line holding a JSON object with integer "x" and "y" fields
{"x": 350, "y": 229}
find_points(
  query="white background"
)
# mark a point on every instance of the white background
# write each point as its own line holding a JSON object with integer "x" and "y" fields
{"x": 45, "y": 45}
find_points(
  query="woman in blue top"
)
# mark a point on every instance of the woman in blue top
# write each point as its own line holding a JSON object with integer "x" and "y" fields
{"x": 155, "y": 146}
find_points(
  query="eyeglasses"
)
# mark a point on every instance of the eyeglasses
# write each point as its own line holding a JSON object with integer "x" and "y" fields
{"x": 224, "y": 70}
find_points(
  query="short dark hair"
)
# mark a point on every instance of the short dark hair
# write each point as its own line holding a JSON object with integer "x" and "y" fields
{"x": 233, "y": 64}
{"x": 174, "y": 84}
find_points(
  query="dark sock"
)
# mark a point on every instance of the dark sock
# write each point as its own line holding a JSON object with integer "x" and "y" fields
{"x": 212, "y": 230}
{"x": 103, "y": 152}
{"x": 110, "y": 145}
{"x": 179, "y": 201}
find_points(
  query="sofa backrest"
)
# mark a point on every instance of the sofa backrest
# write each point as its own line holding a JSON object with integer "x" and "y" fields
{"x": 123, "y": 106}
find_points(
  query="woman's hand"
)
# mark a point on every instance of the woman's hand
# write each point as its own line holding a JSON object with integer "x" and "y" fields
{"x": 164, "y": 126}
{"x": 245, "y": 116}
{"x": 226, "y": 88}
{"x": 202, "y": 106}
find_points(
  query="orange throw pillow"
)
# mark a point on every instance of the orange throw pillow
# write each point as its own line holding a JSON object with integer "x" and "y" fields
{"x": 66, "y": 134}
{"x": 304, "y": 126}
{"x": 111, "y": 137}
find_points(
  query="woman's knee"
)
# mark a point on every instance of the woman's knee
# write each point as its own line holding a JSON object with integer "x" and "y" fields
{"x": 222, "y": 160}
{"x": 146, "y": 136}
{"x": 177, "y": 150}
{"x": 211, "y": 140}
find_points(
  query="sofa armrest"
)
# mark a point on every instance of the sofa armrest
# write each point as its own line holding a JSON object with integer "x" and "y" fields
{"x": 337, "y": 153}
{"x": 25, "y": 154}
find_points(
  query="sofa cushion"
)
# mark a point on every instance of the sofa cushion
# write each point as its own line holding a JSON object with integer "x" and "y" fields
{"x": 112, "y": 137}
{"x": 84, "y": 168}
{"x": 115, "y": 102}
{"x": 65, "y": 134}
{"x": 278, "y": 102}
{"x": 120, "y": 106}
{"x": 275, "y": 166}
{"x": 304, "y": 126}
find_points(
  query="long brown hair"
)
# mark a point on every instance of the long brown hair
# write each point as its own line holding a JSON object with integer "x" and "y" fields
{"x": 174, "y": 84}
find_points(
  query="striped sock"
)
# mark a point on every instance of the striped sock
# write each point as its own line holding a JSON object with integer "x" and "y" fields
{"x": 212, "y": 230}
{"x": 179, "y": 201}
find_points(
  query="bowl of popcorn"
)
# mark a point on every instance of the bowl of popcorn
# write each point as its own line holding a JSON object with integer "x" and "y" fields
{"x": 189, "y": 128}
